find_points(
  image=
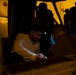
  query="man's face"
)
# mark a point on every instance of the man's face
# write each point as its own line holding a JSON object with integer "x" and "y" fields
{"x": 35, "y": 36}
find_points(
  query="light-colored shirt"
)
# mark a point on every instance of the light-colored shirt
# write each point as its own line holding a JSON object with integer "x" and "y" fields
{"x": 24, "y": 47}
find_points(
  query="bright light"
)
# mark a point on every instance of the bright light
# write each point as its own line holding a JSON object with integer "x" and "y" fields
{"x": 3, "y": 20}
{"x": 71, "y": 0}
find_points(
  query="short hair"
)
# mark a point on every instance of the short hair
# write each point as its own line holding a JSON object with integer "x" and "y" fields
{"x": 58, "y": 29}
{"x": 42, "y": 6}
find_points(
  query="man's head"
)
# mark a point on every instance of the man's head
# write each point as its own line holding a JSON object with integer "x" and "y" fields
{"x": 57, "y": 31}
{"x": 35, "y": 33}
{"x": 42, "y": 6}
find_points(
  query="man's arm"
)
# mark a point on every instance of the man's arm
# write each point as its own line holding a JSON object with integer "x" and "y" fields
{"x": 23, "y": 51}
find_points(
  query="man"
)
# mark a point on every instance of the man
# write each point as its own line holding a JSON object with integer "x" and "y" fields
{"x": 27, "y": 45}
{"x": 44, "y": 17}
{"x": 64, "y": 43}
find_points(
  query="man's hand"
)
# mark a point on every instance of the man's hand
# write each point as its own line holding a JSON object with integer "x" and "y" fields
{"x": 40, "y": 56}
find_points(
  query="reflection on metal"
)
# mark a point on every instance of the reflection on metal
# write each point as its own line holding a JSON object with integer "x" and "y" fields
{"x": 3, "y": 27}
{"x": 3, "y": 20}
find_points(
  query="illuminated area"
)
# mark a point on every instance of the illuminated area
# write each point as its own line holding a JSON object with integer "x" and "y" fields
{"x": 61, "y": 6}
{"x": 52, "y": 41}
{"x": 3, "y": 18}
{"x": 3, "y": 27}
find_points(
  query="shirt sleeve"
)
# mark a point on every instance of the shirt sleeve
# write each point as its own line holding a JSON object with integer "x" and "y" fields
{"x": 21, "y": 50}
